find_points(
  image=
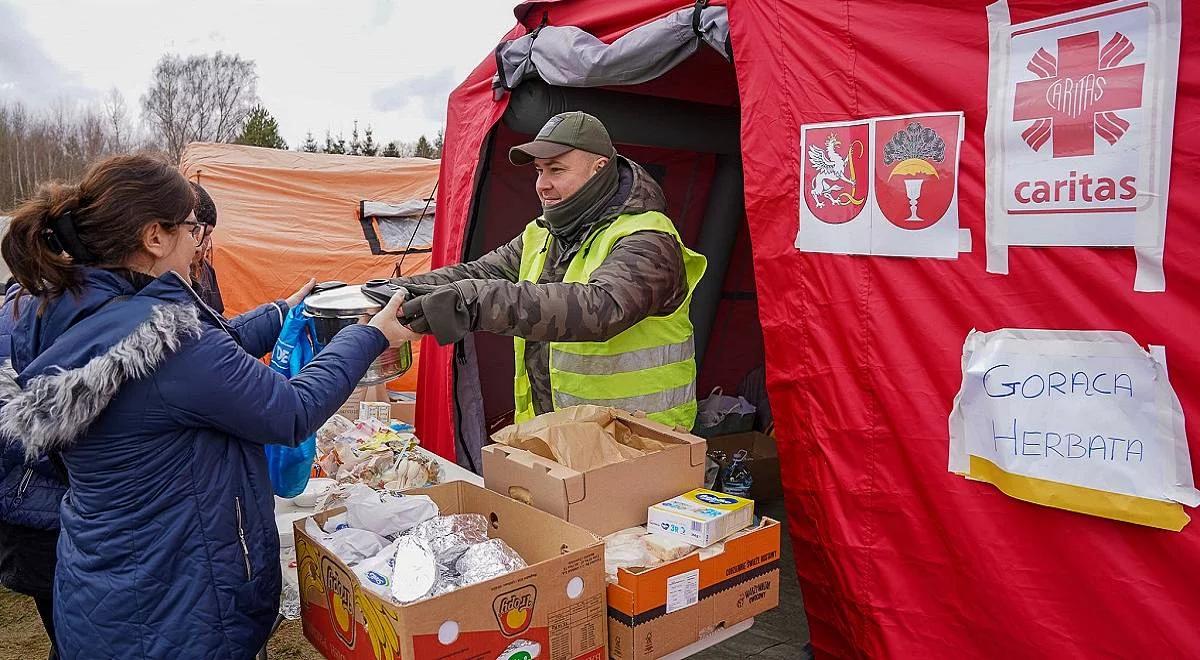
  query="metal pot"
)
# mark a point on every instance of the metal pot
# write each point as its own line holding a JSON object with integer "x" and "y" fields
{"x": 334, "y": 306}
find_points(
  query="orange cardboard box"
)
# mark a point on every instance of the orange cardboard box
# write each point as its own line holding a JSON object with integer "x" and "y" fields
{"x": 556, "y": 603}
{"x": 658, "y": 611}
{"x": 608, "y": 498}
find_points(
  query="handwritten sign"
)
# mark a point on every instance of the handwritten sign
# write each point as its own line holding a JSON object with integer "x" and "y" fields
{"x": 1085, "y": 421}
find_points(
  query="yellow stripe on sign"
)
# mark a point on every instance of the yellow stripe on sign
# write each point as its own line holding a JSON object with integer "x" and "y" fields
{"x": 1114, "y": 506}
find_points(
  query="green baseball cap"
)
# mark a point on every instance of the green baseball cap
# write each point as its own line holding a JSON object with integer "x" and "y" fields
{"x": 564, "y": 132}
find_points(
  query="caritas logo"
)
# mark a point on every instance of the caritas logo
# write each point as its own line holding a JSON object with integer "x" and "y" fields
{"x": 1082, "y": 98}
{"x": 514, "y": 610}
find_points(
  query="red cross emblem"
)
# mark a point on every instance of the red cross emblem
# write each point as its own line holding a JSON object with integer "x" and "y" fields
{"x": 1076, "y": 96}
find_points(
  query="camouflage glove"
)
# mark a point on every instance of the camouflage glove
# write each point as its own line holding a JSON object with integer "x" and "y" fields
{"x": 413, "y": 316}
{"x": 447, "y": 311}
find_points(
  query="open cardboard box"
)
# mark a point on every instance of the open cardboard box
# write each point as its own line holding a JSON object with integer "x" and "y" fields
{"x": 657, "y": 611}
{"x": 557, "y": 602}
{"x": 608, "y": 498}
{"x": 764, "y": 463}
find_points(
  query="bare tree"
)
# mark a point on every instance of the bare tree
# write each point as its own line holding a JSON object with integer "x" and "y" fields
{"x": 199, "y": 98}
{"x": 57, "y": 143}
{"x": 116, "y": 113}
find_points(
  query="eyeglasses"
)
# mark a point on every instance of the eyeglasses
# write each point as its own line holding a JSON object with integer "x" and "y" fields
{"x": 199, "y": 231}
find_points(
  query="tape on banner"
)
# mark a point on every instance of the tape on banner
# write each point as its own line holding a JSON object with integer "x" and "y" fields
{"x": 995, "y": 220}
{"x": 1090, "y": 501}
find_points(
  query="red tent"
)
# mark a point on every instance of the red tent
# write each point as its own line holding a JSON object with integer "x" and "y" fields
{"x": 897, "y": 557}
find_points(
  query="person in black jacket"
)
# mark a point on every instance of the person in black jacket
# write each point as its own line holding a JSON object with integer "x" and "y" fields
{"x": 203, "y": 275}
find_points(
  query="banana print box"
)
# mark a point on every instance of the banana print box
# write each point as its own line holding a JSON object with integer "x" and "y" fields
{"x": 701, "y": 517}
{"x": 553, "y": 610}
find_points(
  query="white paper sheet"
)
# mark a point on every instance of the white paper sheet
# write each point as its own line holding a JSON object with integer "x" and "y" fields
{"x": 1085, "y": 408}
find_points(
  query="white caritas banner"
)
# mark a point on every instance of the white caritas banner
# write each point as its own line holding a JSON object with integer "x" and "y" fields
{"x": 1079, "y": 131}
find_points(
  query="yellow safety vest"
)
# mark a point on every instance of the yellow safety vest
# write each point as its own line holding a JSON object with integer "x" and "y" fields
{"x": 650, "y": 367}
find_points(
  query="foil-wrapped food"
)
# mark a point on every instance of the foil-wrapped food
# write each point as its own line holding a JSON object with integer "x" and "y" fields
{"x": 415, "y": 570}
{"x": 488, "y": 560}
{"x": 450, "y": 536}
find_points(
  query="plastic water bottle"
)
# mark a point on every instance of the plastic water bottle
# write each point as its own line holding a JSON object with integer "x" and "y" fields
{"x": 737, "y": 479}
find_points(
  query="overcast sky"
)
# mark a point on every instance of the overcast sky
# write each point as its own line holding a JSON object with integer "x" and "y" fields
{"x": 321, "y": 63}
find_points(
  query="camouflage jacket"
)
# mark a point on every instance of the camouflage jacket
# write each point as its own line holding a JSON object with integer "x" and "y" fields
{"x": 642, "y": 276}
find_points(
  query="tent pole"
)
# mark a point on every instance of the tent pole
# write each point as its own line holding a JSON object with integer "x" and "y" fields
{"x": 723, "y": 218}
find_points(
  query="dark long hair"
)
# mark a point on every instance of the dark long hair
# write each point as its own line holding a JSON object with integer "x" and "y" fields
{"x": 104, "y": 215}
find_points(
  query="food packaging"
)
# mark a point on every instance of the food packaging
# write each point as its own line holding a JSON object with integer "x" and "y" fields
{"x": 626, "y": 551}
{"x": 387, "y": 514}
{"x": 414, "y": 570}
{"x": 327, "y": 435}
{"x": 380, "y": 410}
{"x": 522, "y": 649}
{"x": 410, "y": 470}
{"x": 667, "y": 548}
{"x": 334, "y": 523}
{"x": 448, "y": 581}
{"x": 376, "y": 573}
{"x": 701, "y": 517}
{"x": 450, "y": 536}
{"x": 354, "y": 545}
{"x": 487, "y": 560}
{"x": 313, "y": 492}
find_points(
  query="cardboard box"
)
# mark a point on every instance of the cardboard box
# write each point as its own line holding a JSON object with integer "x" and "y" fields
{"x": 556, "y": 603}
{"x": 608, "y": 498}
{"x": 764, "y": 467}
{"x": 701, "y": 517}
{"x": 379, "y": 410}
{"x": 658, "y": 611}
{"x": 404, "y": 406}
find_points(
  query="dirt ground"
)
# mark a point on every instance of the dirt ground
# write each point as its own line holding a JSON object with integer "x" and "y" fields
{"x": 22, "y": 637}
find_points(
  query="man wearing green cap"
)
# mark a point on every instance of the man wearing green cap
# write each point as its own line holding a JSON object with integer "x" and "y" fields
{"x": 595, "y": 292}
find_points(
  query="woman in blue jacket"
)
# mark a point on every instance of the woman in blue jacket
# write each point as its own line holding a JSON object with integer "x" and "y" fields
{"x": 159, "y": 410}
{"x": 30, "y": 492}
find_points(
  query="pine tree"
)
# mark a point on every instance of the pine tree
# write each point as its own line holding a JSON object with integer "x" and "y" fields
{"x": 261, "y": 130}
{"x": 334, "y": 146}
{"x": 355, "y": 143}
{"x": 423, "y": 148}
{"x": 369, "y": 146}
{"x": 310, "y": 145}
{"x": 392, "y": 150}
{"x": 438, "y": 142}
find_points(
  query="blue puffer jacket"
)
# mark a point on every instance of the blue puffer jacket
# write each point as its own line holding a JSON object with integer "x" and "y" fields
{"x": 30, "y": 491}
{"x": 168, "y": 544}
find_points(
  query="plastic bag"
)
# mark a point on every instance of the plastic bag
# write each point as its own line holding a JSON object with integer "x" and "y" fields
{"x": 520, "y": 649}
{"x": 376, "y": 573}
{"x": 290, "y": 467}
{"x": 627, "y": 549}
{"x": 721, "y": 415}
{"x": 387, "y": 514}
{"x": 353, "y": 545}
{"x": 289, "y": 599}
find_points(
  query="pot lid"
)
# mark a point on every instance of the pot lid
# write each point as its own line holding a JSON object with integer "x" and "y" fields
{"x": 341, "y": 302}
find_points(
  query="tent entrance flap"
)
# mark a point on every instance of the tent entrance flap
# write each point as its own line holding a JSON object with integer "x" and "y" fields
{"x": 570, "y": 57}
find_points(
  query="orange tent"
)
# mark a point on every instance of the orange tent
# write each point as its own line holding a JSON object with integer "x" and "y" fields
{"x": 285, "y": 216}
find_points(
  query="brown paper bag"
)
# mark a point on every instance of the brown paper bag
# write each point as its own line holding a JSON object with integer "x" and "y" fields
{"x": 581, "y": 437}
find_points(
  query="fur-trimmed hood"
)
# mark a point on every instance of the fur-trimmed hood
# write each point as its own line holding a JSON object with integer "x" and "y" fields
{"x": 58, "y": 389}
